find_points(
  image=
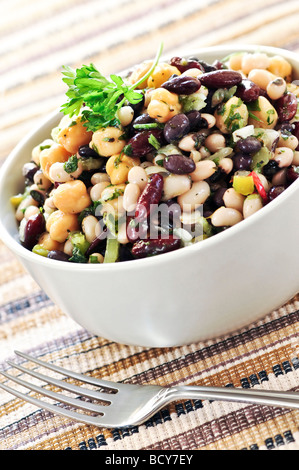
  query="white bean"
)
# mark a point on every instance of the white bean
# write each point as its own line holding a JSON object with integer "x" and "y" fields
{"x": 31, "y": 210}
{"x": 98, "y": 256}
{"x": 254, "y": 61}
{"x": 284, "y": 156}
{"x": 276, "y": 88}
{"x": 137, "y": 175}
{"x": 97, "y": 189}
{"x": 226, "y": 165}
{"x": 187, "y": 143}
{"x": 89, "y": 224}
{"x": 41, "y": 181}
{"x": 195, "y": 197}
{"x": 289, "y": 141}
{"x": 28, "y": 201}
{"x": 226, "y": 217}
{"x": 252, "y": 204}
{"x": 99, "y": 178}
{"x": 58, "y": 174}
{"x": 215, "y": 142}
{"x": 131, "y": 196}
{"x": 204, "y": 169}
{"x": 125, "y": 115}
{"x": 68, "y": 248}
{"x": 233, "y": 199}
{"x": 122, "y": 234}
{"x": 175, "y": 185}
{"x": 211, "y": 120}
{"x": 296, "y": 158}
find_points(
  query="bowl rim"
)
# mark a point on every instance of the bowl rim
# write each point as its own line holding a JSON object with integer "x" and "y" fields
{"x": 206, "y": 244}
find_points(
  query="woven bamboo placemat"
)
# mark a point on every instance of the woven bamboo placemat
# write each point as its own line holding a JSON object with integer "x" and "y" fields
{"x": 36, "y": 39}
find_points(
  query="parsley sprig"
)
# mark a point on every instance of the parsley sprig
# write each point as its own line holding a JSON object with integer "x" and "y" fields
{"x": 97, "y": 98}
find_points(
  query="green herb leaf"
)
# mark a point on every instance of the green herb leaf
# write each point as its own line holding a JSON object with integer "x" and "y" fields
{"x": 154, "y": 142}
{"x": 71, "y": 165}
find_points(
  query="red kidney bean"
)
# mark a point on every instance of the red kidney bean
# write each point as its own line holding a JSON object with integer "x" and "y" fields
{"x": 185, "y": 64}
{"x": 58, "y": 255}
{"x": 136, "y": 230}
{"x": 286, "y": 106}
{"x": 221, "y": 79}
{"x": 34, "y": 227}
{"x": 182, "y": 85}
{"x": 139, "y": 144}
{"x": 292, "y": 173}
{"x": 145, "y": 248}
{"x": 219, "y": 65}
{"x": 176, "y": 127}
{"x": 248, "y": 91}
{"x": 150, "y": 196}
{"x": 179, "y": 164}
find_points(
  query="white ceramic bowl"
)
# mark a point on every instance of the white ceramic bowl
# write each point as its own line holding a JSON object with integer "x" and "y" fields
{"x": 196, "y": 293}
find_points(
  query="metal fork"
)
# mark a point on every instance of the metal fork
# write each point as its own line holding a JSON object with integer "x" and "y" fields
{"x": 117, "y": 405}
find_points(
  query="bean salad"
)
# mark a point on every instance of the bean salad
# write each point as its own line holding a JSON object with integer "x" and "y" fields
{"x": 168, "y": 156}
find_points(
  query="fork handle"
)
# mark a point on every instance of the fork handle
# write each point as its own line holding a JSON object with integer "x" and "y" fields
{"x": 241, "y": 395}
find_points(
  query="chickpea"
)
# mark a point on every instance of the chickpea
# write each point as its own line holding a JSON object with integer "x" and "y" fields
{"x": 226, "y": 217}
{"x": 266, "y": 117}
{"x": 74, "y": 136}
{"x": 108, "y": 141}
{"x": 233, "y": 199}
{"x": 280, "y": 67}
{"x": 276, "y": 88}
{"x": 252, "y": 204}
{"x": 262, "y": 78}
{"x": 89, "y": 224}
{"x": 195, "y": 197}
{"x": 38, "y": 149}
{"x": 163, "y": 105}
{"x": 57, "y": 153}
{"x": 254, "y": 61}
{"x": 140, "y": 72}
{"x": 225, "y": 120}
{"x": 48, "y": 243}
{"x": 204, "y": 169}
{"x": 137, "y": 175}
{"x": 71, "y": 197}
{"x": 118, "y": 167}
{"x": 59, "y": 225}
{"x": 161, "y": 74}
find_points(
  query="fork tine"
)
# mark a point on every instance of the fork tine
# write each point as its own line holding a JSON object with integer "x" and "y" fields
{"x": 77, "y": 403}
{"x": 74, "y": 375}
{"x": 64, "y": 385}
{"x": 56, "y": 409}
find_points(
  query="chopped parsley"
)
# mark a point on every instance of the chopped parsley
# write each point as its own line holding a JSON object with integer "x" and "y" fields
{"x": 71, "y": 165}
{"x": 154, "y": 142}
{"x": 97, "y": 98}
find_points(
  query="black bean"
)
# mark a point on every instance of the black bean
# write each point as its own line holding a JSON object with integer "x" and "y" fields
{"x": 182, "y": 85}
{"x": 179, "y": 164}
{"x": 248, "y": 91}
{"x": 38, "y": 197}
{"x": 196, "y": 121}
{"x": 176, "y": 128}
{"x": 275, "y": 191}
{"x": 250, "y": 145}
{"x": 29, "y": 170}
{"x": 218, "y": 197}
{"x": 58, "y": 255}
{"x": 242, "y": 162}
{"x": 87, "y": 152}
{"x": 270, "y": 169}
{"x": 220, "y": 79}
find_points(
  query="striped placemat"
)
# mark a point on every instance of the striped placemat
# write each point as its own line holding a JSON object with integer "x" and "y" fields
{"x": 34, "y": 43}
